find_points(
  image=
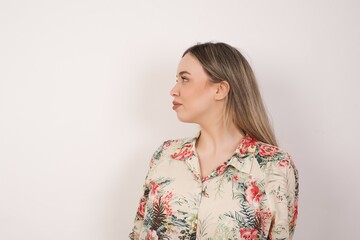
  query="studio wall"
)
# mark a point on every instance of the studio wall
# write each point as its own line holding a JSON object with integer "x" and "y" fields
{"x": 84, "y": 103}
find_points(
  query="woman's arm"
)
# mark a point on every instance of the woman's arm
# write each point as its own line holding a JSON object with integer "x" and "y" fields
{"x": 139, "y": 217}
{"x": 284, "y": 191}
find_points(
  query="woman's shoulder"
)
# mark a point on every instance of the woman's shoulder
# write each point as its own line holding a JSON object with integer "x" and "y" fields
{"x": 170, "y": 148}
{"x": 176, "y": 143}
{"x": 270, "y": 156}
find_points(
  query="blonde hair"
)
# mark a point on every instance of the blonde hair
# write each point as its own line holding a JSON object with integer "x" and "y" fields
{"x": 244, "y": 105}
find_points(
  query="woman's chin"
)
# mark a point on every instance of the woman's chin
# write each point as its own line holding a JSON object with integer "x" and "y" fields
{"x": 184, "y": 119}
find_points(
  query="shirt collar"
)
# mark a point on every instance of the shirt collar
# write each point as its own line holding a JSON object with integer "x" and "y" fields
{"x": 243, "y": 156}
{"x": 241, "y": 159}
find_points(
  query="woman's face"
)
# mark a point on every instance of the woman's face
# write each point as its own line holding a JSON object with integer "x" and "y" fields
{"x": 193, "y": 92}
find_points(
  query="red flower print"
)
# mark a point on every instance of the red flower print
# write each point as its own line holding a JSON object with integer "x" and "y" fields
{"x": 154, "y": 188}
{"x": 247, "y": 142}
{"x": 253, "y": 194}
{"x": 141, "y": 208}
{"x": 167, "y": 144}
{"x": 152, "y": 235}
{"x": 183, "y": 152}
{"x": 235, "y": 178}
{"x": 265, "y": 216}
{"x": 205, "y": 178}
{"x": 221, "y": 169}
{"x": 248, "y": 234}
{"x": 293, "y": 221}
{"x": 283, "y": 163}
{"x": 268, "y": 150}
{"x": 166, "y": 200}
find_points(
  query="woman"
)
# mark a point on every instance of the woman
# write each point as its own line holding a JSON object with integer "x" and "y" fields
{"x": 230, "y": 180}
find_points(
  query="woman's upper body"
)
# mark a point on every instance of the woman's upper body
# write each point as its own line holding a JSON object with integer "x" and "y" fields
{"x": 253, "y": 195}
{"x": 230, "y": 181}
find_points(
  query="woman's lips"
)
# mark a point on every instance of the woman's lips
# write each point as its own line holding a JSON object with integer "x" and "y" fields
{"x": 175, "y": 105}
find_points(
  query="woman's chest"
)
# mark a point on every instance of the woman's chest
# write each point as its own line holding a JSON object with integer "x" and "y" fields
{"x": 220, "y": 206}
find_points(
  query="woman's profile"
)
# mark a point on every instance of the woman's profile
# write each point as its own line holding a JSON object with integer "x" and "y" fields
{"x": 230, "y": 180}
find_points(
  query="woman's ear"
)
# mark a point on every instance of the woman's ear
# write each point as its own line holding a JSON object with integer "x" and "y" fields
{"x": 222, "y": 90}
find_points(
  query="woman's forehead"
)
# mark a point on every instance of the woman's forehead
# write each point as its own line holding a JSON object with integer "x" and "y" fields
{"x": 189, "y": 64}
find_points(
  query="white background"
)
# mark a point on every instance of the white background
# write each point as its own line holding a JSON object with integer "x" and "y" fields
{"x": 84, "y": 102}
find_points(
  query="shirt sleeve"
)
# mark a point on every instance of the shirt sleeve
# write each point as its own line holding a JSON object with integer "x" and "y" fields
{"x": 139, "y": 217}
{"x": 284, "y": 191}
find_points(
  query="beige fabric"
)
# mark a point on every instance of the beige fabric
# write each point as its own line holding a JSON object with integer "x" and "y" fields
{"x": 253, "y": 195}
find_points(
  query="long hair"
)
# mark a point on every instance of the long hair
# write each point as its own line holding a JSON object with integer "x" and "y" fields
{"x": 244, "y": 105}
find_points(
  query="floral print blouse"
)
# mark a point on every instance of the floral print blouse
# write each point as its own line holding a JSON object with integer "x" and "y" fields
{"x": 253, "y": 195}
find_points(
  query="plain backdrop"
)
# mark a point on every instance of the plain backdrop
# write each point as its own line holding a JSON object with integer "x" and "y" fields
{"x": 84, "y": 102}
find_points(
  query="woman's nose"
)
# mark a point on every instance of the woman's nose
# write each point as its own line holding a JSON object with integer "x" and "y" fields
{"x": 174, "y": 92}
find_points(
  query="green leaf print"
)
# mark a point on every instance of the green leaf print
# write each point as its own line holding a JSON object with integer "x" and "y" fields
{"x": 156, "y": 215}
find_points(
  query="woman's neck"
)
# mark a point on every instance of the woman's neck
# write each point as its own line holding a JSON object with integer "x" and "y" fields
{"x": 219, "y": 138}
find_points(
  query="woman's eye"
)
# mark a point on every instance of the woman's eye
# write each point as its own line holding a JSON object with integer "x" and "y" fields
{"x": 184, "y": 79}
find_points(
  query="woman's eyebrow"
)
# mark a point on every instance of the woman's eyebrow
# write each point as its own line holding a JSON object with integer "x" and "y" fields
{"x": 183, "y": 72}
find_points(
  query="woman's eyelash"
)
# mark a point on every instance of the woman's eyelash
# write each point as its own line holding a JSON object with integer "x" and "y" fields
{"x": 182, "y": 79}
